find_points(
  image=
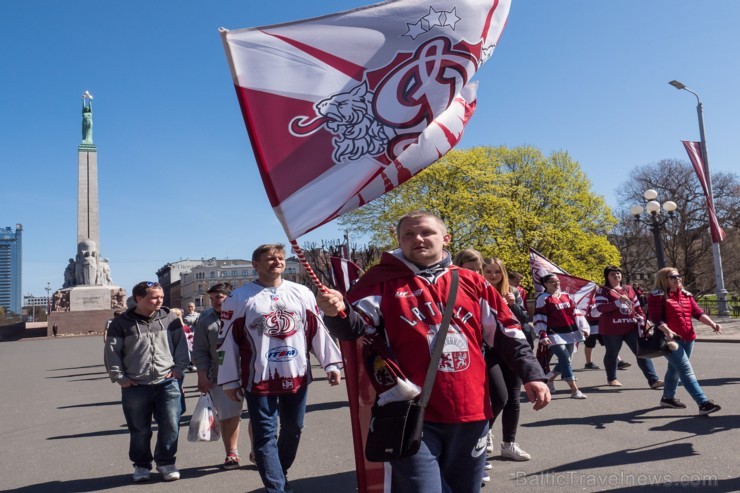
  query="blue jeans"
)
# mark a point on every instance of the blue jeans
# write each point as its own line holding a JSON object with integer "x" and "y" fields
{"x": 140, "y": 403}
{"x": 680, "y": 366}
{"x": 613, "y": 344}
{"x": 564, "y": 353}
{"x": 275, "y": 454}
{"x": 450, "y": 460}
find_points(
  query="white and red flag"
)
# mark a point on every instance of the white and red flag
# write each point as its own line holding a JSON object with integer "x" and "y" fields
{"x": 578, "y": 288}
{"x": 343, "y": 108}
{"x": 695, "y": 154}
{"x": 344, "y": 273}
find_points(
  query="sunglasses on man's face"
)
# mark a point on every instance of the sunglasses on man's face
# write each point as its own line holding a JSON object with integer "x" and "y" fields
{"x": 674, "y": 277}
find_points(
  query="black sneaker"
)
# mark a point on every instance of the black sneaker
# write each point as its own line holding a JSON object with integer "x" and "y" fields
{"x": 676, "y": 404}
{"x": 592, "y": 366}
{"x": 623, "y": 365}
{"x": 708, "y": 407}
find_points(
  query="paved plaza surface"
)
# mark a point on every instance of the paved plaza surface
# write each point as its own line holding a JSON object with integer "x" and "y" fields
{"x": 62, "y": 430}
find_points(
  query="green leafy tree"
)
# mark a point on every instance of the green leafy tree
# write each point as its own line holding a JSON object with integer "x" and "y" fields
{"x": 501, "y": 201}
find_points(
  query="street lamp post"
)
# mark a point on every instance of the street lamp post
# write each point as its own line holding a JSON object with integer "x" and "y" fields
{"x": 655, "y": 220}
{"x": 48, "y": 299}
{"x": 716, "y": 253}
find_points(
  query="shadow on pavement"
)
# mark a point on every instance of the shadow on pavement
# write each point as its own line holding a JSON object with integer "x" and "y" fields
{"x": 625, "y": 458}
{"x": 105, "y": 374}
{"x": 599, "y": 421}
{"x": 90, "y": 434}
{"x": 699, "y": 425}
{"x": 110, "y": 482}
{"x": 90, "y": 379}
{"x": 702, "y": 425}
{"x": 718, "y": 382}
{"x": 92, "y": 404}
{"x": 341, "y": 482}
{"x": 78, "y": 485}
{"x": 78, "y": 367}
{"x": 324, "y": 406}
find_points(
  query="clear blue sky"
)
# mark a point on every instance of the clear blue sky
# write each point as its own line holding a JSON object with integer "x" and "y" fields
{"x": 177, "y": 174}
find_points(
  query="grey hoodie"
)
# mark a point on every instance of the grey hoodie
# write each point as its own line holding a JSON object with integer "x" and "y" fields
{"x": 145, "y": 349}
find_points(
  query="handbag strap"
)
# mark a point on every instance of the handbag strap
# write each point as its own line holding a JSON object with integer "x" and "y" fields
{"x": 439, "y": 342}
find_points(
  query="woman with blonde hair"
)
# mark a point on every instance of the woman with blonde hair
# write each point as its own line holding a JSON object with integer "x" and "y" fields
{"x": 494, "y": 270}
{"x": 505, "y": 386}
{"x": 671, "y": 308}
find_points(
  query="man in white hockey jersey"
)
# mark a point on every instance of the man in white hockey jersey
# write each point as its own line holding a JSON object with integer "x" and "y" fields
{"x": 269, "y": 325}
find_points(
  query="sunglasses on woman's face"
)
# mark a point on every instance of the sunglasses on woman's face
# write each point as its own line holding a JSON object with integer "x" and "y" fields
{"x": 674, "y": 277}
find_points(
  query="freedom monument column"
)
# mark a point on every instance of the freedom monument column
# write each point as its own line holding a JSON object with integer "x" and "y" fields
{"x": 87, "y": 178}
{"x": 88, "y": 296}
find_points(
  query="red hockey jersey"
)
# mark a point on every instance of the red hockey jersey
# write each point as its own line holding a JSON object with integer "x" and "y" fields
{"x": 408, "y": 307}
{"x": 559, "y": 317}
{"x": 616, "y": 318}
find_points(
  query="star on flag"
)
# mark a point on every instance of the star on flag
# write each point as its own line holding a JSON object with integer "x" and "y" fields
{"x": 441, "y": 18}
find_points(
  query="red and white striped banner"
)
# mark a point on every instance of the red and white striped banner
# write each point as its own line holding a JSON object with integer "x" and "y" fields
{"x": 579, "y": 289}
{"x": 344, "y": 273}
{"x": 695, "y": 155}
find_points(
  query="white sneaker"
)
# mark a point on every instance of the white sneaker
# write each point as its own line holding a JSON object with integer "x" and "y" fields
{"x": 512, "y": 451}
{"x": 485, "y": 479}
{"x": 169, "y": 472}
{"x": 577, "y": 395}
{"x": 489, "y": 442}
{"x": 141, "y": 474}
{"x": 487, "y": 467}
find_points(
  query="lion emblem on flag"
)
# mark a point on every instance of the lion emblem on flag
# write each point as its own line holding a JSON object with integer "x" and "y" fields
{"x": 349, "y": 117}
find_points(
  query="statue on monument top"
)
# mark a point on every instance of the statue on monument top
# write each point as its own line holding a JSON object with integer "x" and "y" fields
{"x": 87, "y": 120}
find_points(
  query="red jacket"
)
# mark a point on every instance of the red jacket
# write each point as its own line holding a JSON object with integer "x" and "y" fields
{"x": 408, "y": 308}
{"x": 675, "y": 309}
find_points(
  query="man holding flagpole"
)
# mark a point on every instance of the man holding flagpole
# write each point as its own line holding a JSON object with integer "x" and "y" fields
{"x": 403, "y": 298}
{"x": 343, "y": 108}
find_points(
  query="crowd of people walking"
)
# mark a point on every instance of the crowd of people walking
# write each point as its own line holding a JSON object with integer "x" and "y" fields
{"x": 252, "y": 347}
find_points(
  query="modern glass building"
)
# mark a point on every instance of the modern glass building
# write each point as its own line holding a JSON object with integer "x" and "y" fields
{"x": 10, "y": 268}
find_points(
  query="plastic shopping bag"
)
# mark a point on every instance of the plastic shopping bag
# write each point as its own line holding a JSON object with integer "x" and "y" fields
{"x": 204, "y": 424}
